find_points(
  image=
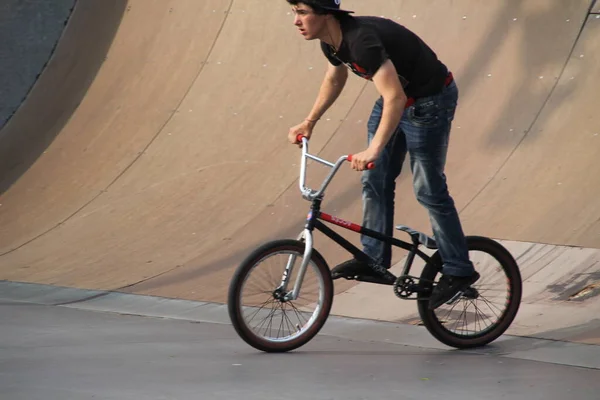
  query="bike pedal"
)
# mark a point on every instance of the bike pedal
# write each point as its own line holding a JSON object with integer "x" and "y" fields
{"x": 455, "y": 298}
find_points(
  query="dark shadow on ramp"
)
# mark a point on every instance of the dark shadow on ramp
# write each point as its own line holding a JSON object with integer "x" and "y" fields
{"x": 61, "y": 87}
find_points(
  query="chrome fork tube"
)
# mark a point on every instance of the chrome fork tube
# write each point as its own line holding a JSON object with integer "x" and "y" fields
{"x": 302, "y": 271}
{"x": 287, "y": 272}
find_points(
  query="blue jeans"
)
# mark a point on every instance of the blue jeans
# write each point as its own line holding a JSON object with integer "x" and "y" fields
{"x": 423, "y": 132}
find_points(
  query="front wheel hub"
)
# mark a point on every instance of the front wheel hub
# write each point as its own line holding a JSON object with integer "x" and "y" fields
{"x": 279, "y": 295}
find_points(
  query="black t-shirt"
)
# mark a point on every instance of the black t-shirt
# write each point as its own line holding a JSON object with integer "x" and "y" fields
{"x": 369, "y": 41}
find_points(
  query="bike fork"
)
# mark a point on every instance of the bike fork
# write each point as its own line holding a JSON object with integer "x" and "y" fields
{"x": 306, "y": 236}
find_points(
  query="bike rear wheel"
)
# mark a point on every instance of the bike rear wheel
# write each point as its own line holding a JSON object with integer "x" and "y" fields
{"x": 485, "y": 311}
{"x": 259, "y": 314}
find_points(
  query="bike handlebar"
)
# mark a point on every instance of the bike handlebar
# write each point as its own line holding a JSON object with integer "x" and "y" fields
{"x": 370, "y": 165}
{"x": 308, "y": 193}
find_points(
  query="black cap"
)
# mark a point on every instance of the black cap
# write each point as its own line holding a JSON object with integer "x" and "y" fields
{"x": 329, "y": 5}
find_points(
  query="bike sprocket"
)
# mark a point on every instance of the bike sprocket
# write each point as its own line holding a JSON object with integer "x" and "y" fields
{"x": 404, "y": 287}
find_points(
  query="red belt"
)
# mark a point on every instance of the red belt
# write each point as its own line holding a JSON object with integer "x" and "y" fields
{"x": 411, "y": 100}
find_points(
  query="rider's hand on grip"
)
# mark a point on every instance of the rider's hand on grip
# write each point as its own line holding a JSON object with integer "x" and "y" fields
{"x": 303, "y": 129}
{"x": 370, "y": 165}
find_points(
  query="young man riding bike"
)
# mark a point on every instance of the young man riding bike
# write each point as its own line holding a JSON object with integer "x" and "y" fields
{"x": 413, "y": 114}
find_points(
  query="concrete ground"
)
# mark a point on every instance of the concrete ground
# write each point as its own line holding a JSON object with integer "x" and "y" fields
{"x": 56, "y": 346}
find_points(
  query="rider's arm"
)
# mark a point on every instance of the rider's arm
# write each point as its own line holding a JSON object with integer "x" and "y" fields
{"x": 394, "y": 99}
{"x": 333, "y": 83}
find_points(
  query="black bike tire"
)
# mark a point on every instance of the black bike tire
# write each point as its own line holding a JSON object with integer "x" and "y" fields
{"x": 236, "y": 285}
{"x": 509, "y": 265}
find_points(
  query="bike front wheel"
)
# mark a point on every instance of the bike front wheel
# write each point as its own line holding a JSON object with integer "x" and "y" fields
{"x": 486, "y": 310}
{"x": 262, "y": 314}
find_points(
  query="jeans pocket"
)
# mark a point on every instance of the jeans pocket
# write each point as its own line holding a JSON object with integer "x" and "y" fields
{"x": 450, "y": 100}
{"x": 425, "y": 112}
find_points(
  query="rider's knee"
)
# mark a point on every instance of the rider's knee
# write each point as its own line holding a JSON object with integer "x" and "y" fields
{"x": 439, "y": 201}
{"x": 432, "y": 196}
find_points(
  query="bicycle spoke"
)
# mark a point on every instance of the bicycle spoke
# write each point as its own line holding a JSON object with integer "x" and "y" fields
{"x": 290, "y": 323}
{"x": 265, "y": 320}
{"x": 459, "y": 317}
{"x": 479, "y": 311}
{"x": 270, "y": 324}
{"x": 477, "y": 323}
{"x": 489, "y": 304}
{"x": 282, "y": 320}
{"x": 447, "y": 317}
{"x": 271, "y": 300}
{"x": 298, "y": 314}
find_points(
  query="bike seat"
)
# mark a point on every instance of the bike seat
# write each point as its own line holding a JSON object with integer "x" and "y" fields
{"x": 422, "y": 238}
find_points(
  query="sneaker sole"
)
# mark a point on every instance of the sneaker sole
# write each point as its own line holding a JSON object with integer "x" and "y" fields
{"x": 474, "y": 278}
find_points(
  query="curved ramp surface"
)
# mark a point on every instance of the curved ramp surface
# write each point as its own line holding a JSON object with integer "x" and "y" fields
{"x": 165, "y": 158}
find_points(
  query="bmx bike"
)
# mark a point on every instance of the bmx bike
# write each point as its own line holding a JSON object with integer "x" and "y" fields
{"x": 296, "y": 269}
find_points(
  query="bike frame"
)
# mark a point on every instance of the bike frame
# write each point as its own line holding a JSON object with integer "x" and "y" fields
{"x": 315, "y": 220}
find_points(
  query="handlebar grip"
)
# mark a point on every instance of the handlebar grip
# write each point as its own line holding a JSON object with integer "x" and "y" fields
{"x": 370, "y": 165}
{"x": 299, "y": 137}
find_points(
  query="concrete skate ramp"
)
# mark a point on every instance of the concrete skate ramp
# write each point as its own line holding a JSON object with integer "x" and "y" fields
{"x": 174, "y": 164}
